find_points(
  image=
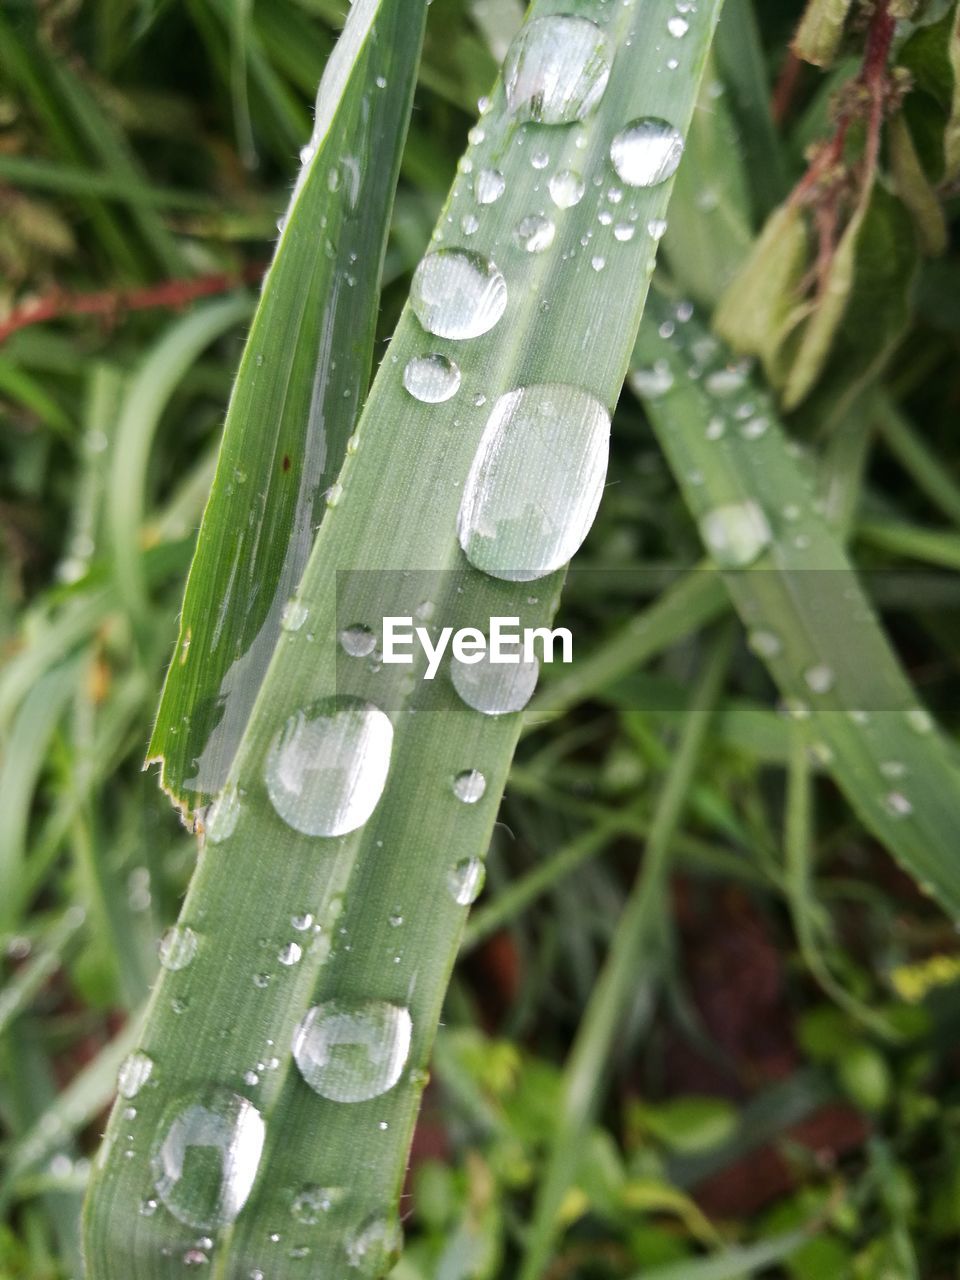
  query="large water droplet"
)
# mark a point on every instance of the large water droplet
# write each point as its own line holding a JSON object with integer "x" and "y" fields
{"x": 647, "y": 152}
{"x": 534, "y": 233}
{"x": 469, "y": 786}
{"x": 432, "y": 378}
{"x": 466, "y": 881}
{"x": 495, "y": 688}
{"x": 556, "y": 70}
{"x": 326, "y": 768}
{"x": 566, "y": 189}
{"x": 206, "y": 1159}
{"x": 178, "y": 946}
{"x": 458, "y": 294}
{"x": 535, "y": 482}
{"x": 736, "y": 534}
{"x": 351, "y": 1052}
{"x": 134, "y": 1073}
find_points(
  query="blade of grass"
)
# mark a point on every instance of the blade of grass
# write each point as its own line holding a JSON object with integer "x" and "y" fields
{"x": 632, "y": 963}
{"x": 797, "y": 592}
{"x": 293, "y": 409}
{"x": 387, "y": 897}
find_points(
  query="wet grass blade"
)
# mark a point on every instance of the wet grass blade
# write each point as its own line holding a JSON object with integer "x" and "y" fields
{"x": 798, "y": 594}
{"x": 295, "y": 404}
{"x": 330, "y": 922}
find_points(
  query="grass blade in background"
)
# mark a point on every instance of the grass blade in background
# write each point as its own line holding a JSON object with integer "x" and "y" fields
{"x": 290, "y": 935}
{"x": 294, "y": 406}
{"x": 797, "y": 593}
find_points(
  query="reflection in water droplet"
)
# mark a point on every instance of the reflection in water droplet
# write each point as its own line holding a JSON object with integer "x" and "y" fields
{"x": 535, "y": 482}
{"x": 134, "y": 1073}
{"x": 647, "y": 152}
{"x": 469, "y": 786}
{"x": 432, "y": 378}
{"x": 350, "y": 1052}
{"x": 178, "y": 946}
{"x": 458, "y": 294}
{"x": 205, "y": 1161}
{"x": 556, "y": 70}
{"x": 566, "y": 189}
{"x": 223, "y": 815}
{"x": 466, "y": 881}
{"x": 488, "y": 186}
{"x": 358, "y": 641}
{"x": 534, "y": 233}
{"x": 736, "y": 534}
{"x": 326, "y": 768}
{"x": 495, "y": 688}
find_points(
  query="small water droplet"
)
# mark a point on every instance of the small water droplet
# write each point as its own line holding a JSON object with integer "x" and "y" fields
{"x": 556, "y": 69}
{"x": 678, "y": 27}
{"x": 724, "y": 382}
{"x": 466, "y": 881}
{"x": 716, "y": 429}
{"x": 598, "y": 262}
{"x": 432, "y": 378}
{"x": 652, "y": 382}
{"x": 310, "y": 1204}
{"x": 535, "y": 482}
{"x": 647, "y": 152}
{"x": 624, "y": 232}
{"x": 178, "y": 946}
{"x": 294, "y": 615}
{"x": 539, "y": 159}
{"x": 920, "y": 720}
{"x": 488, "y": 186}
{"x": 223, "y": 815}
{"x": 458, "y": 294}
{"x": 765, "y": 644}
{"x": 290, "y": 954}
{"x": 469, "y": 786}
{"x": 134, "y": 1073}
{"x": 351, "y": 1052}
{"x": 495, "y": 688}
{"x": 755, "y": 428}
{"x": 373, "y": 1247}
{"x": 897, "y": 804}
{"x": 566, "y": 189}
{"x": 302, "y": 922}
{"x": 736, "y": 534}
{"x": 534, "y": 233}
{"x": 469, "y": 224}
{"x": 327, "y": 767}
{"x": 358, "y": 641}
{"x": 205, "y": 1161}
{"x": 657, "y": 228}
{"x": 819, "y": 679}
{"x": 893, "y": 769}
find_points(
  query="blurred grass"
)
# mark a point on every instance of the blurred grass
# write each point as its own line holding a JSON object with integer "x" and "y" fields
{"x": 125, "y": 141}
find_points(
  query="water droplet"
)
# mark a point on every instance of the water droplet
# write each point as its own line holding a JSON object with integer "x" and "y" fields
{"x": 736, "y": 534}
{"x": 205, "y": 1162}
{"x": 647, "y": 152}
{"x": 535, "y": 482}
{"x": 351, "y": 1052}
{"x": 223, "y": 815}
{"x": 755, "y": 428}
{"x": 624, "y": 232}
{"x": 556, "y": 70}
{"x": 302, "y": 922}
{"x": 495, "y": 688}
{"x": 488, "y": 186}
{"x": 469, "y": 224}
{"x": 678, "y": 27}
{"x": 920, "y": 720}
{"x": 897, "y": 804}
{"x": 326, "y": 768}
{"x": 540, "y": 159}
{"x": 469, "y": 786}
{"x": 373, "y": 1247}
{"x": 466, "y": 881}
{"x": 652, "y": 382}
{"x": 294, "y": 615}
{"x": 458, "y": 294}
{"x": 598, "y": 262}
{"x": 534, "y": 233}
{"x": 657, "y": 228}
{"x": 893, "y": 769}
{"x": 358, "y": 641}
{"x": 290, "y": 954}
{"x": 432, "y": 378}
{"x": 724, "y": 382}
{"x": 716, "y": 429}
{"x": 765, "y": 644}
{"x": 134, "y": 1073}
{"x": 819, "y": 679}
{"x": 313, "y": 1202}
{"x": 566, "y": 189}
{"x": 178, "y": 946}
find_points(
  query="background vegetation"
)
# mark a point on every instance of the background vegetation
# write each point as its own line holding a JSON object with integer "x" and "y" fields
{"x": 779, "y": 1054}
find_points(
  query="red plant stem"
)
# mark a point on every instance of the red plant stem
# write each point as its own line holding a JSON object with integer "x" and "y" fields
{"x": 785, "y": 88}
{"x": 170, "y": 295}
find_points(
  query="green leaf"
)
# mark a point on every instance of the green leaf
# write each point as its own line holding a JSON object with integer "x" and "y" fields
{"x": 387, "y": 900}
{"x": 820, "y": 31}
{"x": 295, "y": 404}
{"x": 951, "y": 137}
{"x": 797, "y": 592}
{"x": 914, "y": 188}
{"x": 690, "y": 1124}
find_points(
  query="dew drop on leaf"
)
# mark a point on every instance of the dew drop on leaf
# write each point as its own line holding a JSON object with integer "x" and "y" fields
{"x": 647, "y": 152}
{"x": 205, "y": 1160}
{"x": 458, "y": 294}
{"x": 488, "y": 186}
{"x": 534, "y": 233}
{"x": 357, "y": 641}
{"x": 349, "y": 1052}
{"x": 135, "y": 1071}
{"x": 469, "y": 786}
{"x": 294, "y": 615}
{"x": 178, "y": 946}
{"x": 736, "y": 534}
{"x": 327, "y": 766}
{"x": 466, "y": 881}
{"x": 535, "y": 482}
{"x": 556, "y": 69}
{"x": 431, "y": 378}
{"x": 566, "y": 189}
{"x": 495, "y": 688}
{"x": 223, "y": 815}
